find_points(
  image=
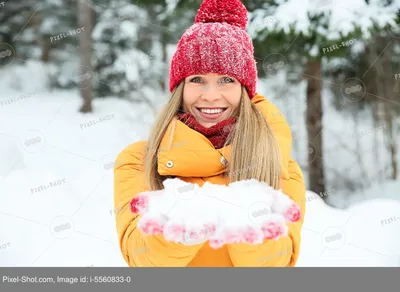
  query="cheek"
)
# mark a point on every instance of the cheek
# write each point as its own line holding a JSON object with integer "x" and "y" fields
{"x": 189, "y": 97}
{"x": 234, "y": 97}
{"x": 234, "y": 101}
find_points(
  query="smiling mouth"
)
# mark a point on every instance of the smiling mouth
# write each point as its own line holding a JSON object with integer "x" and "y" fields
{"x": 211, "y": 110}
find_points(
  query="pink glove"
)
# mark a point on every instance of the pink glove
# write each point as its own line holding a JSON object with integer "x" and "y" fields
{"x": 247, "y": 211}
{"x": 264, "y": 214}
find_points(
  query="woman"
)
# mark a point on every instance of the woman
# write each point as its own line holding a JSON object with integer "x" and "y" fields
{"x": 214, "y": 128}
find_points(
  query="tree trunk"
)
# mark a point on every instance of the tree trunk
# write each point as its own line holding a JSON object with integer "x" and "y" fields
{"x": 366, "y": 182}
{"x": 387, "y": 91}
{"x": 372, "y": 82}
{"x": 391, "y": 142}
{"x": 85, "y": 52}
{"x": 40, "y": 40}
{"x": 377, "y": 145}
{"x": 314, "y": 127}
{"x": 45, "y": 57}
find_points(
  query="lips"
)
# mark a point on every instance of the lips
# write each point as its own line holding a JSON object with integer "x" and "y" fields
{"x": 211, "y": 108}
{"x": 210, "y": 115}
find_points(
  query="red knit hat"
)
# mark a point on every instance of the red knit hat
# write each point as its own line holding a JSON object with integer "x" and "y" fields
{"x": 217, "y": 43}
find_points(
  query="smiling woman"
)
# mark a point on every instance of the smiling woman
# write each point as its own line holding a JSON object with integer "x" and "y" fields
{"x": 222, "y": 126}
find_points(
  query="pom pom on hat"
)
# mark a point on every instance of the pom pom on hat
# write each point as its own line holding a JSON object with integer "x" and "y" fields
{"x": 216, "y": 43}
{"x": 230, "y": 11}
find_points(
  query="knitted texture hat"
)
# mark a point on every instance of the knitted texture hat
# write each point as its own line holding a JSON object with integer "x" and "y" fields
{"x": 217, "y": 42}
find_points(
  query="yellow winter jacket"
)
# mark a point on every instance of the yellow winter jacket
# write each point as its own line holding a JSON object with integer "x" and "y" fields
{"x": 193, "y": 158}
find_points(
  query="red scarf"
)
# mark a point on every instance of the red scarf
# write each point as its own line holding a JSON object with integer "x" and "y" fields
{"x": 217, "y": 134}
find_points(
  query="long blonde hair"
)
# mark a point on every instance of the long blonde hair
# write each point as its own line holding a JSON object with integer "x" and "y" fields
{"x": 254, "y": 149}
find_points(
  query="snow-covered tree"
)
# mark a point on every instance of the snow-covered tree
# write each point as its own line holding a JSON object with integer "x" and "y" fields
{"x": 127, "y": 65}
{"x": 300, "y": 35}
{"x": 13, "y": 16}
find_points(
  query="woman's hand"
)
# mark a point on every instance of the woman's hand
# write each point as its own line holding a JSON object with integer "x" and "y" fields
{"x": 257, "y": 212}
{"x": 175, "y": 213}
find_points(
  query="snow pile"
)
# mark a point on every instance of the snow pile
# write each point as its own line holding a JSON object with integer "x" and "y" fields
{"x": 30, "y": 77}
{"x": 365, "y": 235}
{"x": 247, "y": 211}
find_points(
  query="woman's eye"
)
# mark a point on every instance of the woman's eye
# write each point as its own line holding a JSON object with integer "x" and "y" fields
{"x": 227, "y": 80}
{"x": 195, "y": 78}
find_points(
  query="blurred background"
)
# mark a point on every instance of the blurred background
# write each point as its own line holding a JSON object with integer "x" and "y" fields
{"x": 80, "y": 80}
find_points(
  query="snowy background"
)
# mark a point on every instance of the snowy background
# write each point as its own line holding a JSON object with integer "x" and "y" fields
{"x": 56, "y": 163}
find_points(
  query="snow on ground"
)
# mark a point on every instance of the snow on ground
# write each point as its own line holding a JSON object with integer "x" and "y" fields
{"x": 364, "y": 235}
{"x": 56, "y": 188}
{"x": 56, "y": 177}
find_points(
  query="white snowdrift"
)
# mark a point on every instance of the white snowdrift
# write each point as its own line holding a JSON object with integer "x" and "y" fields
{"x": 366, "y": 234}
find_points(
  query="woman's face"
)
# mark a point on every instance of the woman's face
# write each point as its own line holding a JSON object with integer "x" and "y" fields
{"x": 211, "y": 98}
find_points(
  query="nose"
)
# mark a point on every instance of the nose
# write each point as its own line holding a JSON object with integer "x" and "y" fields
{"x": 211, "y": 92}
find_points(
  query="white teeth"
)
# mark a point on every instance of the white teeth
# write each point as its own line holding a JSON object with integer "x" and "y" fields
{"x": 211, "y": 111}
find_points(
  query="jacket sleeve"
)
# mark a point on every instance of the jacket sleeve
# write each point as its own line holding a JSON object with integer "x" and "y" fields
{"x": 137, "y": 249}
{"x": 284, "y": 251}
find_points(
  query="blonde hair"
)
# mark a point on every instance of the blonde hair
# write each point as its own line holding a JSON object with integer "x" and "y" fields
{"x": 254, "y": 149}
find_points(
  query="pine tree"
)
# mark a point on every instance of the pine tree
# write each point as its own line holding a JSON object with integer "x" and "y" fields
{"x": 301, "y": 45}
{"x": 124, "y": 60}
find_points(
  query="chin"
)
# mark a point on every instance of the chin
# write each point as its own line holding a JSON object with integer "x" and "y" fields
{"x": 208, "y": 125}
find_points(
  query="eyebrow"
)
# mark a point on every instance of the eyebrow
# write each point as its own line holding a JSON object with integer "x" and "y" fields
{"x": 195, "y": 75}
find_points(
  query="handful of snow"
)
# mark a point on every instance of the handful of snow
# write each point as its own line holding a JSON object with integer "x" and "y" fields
{"x": 246, "y": 211}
